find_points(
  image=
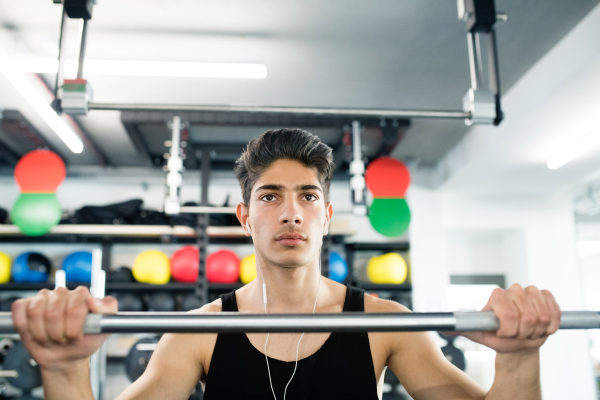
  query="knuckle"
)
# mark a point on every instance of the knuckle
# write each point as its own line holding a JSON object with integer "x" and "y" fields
{"x": 76, "y": 312}
{"x": 81, "y": 290}
{"x": 516, "y": 287}
{"x": 545, "y": 318}
{"x": 53, "y": 314}
{"x": 532, "y": 289}
{"x": 18, "y": 304}
{"x": 529, "y": 319}
{"x": 511, "y": 315}
{"x": 34, "y": 312}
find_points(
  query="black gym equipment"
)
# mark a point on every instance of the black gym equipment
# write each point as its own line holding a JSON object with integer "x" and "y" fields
{"x": 191, "y": 302}
{"x": 120, "y": 275}
{"x": 453, "y": 354}
{"x": 6, "y": 304}
{"x": 138, "y": 357}
{"x": 79, "y": 8}
{"x": 5, "y": 345}
{"x": 161, "y": 302}
{"x": 128, "y": 302}
{"x": 28, "y": 371}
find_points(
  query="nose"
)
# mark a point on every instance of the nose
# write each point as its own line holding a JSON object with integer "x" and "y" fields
{"x": 290, "y": 213}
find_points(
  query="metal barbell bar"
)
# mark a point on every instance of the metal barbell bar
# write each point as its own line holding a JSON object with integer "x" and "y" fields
{"x": 340, "y": 322}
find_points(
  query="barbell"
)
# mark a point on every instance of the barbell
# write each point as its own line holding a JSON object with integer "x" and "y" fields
{"x": 228, "y": 322}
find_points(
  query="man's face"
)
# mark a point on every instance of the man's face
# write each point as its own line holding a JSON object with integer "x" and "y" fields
{"x": 288, "y": 215}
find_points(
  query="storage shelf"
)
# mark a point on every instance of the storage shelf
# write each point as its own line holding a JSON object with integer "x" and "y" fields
{"x": 73, "y": 233}
{"x": 129, "y": 230}
{"x": 383, "y": 287}
{"x": 378, "y": 246}
{"x": 122, "y": 286}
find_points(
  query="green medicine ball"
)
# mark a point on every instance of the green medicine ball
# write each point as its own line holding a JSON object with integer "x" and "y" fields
{"x": 36, "y": 213}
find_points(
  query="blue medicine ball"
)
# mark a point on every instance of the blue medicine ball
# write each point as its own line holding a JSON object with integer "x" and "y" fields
{"x": 30, "y": 267}
{"x": 338, "y": 268}
{"x": 78, "y": 266}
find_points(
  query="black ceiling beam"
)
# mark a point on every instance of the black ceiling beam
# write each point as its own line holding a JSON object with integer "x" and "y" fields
{"x": 7, "y": 154}
{"x": 139, "y": 143}
{"x": 25, "y": 137}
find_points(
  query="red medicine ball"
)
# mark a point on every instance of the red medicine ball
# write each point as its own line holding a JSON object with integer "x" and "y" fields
{"x": 223, "y": 266}
{"x": 185, "y": 263}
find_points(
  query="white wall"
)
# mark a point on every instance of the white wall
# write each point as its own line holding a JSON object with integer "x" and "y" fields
{"x": 539, "y": 231}
{"x": 428, "y": 250}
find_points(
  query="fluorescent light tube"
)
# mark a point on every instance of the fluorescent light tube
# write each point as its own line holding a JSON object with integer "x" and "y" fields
{"x": 574, "y": 150}
{"x": 145, "y": 68}
{"x": 35, "y": 99}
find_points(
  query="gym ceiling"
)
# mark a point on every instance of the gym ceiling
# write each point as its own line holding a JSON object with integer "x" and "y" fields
{"x": 393, "y": 54}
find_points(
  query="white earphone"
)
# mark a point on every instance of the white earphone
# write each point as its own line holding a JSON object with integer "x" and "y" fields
{"x": 264, "y": 290}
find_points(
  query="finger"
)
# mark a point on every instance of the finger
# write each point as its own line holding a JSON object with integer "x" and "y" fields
{"x": 506, "y": 311}
{"x": 542, "y": 311}
{"x": 19, "y": 316}
{"x": 554, "y": 312}
{"x": 35, "y": 317}
{"x": 107, "y": 305}
{"x": 75, "y": 313}
{"x": 528, "y": 319}
{"x": 55, "y": 314}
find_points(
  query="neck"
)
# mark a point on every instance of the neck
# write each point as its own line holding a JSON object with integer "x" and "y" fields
{"x": 289, "y": 290}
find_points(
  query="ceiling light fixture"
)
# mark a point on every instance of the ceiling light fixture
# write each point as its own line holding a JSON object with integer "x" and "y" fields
{"x": 574, "y": 150}
{"x": 40, "y": 65}
{"x": 35, "y": 99}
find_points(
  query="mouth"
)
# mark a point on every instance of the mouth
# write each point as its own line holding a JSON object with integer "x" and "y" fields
{"x": 290, "y": 239}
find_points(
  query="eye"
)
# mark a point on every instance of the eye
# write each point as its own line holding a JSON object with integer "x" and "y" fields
{"x": 310, "y": 197}
{"x": 268, "y": 197}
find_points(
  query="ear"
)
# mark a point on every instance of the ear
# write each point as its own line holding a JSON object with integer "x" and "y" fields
{"x": 242, "y": 215}
{"x": 328, "y": 216}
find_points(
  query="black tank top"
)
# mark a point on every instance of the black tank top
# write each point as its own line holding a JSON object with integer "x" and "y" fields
{"x": 341, "y": 369}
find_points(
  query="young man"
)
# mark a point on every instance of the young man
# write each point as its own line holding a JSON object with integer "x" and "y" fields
{"x": 285, "y": 177}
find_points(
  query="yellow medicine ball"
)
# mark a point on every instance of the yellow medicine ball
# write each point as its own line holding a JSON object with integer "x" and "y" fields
{"x": 387, "y": 268}
{"x": 152, "y": 266}
{"x": 5, "y": 262}
{"x": 248, "y": 268}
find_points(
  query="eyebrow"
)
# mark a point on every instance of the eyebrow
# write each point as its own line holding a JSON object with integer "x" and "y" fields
{"x": 280, "y": 188}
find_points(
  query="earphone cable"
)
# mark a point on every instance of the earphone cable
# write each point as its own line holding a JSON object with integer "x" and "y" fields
{"x": 298, "y": 346}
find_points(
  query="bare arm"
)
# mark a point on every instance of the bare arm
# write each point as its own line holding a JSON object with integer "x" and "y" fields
{"x": 51, "y": 327}
{"x": 527, "y": 317}
{"x": 419, "y": 363}
{"x": 517, "y": 377}
{"x": 176, "y": 366}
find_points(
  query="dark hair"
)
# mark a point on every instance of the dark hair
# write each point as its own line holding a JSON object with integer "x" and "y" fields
{"x": 292, "y": 144}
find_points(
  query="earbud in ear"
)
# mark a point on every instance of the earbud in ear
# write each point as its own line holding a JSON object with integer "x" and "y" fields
{"x": 248, "y": 227}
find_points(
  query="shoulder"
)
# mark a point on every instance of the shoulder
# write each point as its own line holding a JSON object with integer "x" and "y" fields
{"x": 215, "y": 306}
{"x": 376, "y": 305}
